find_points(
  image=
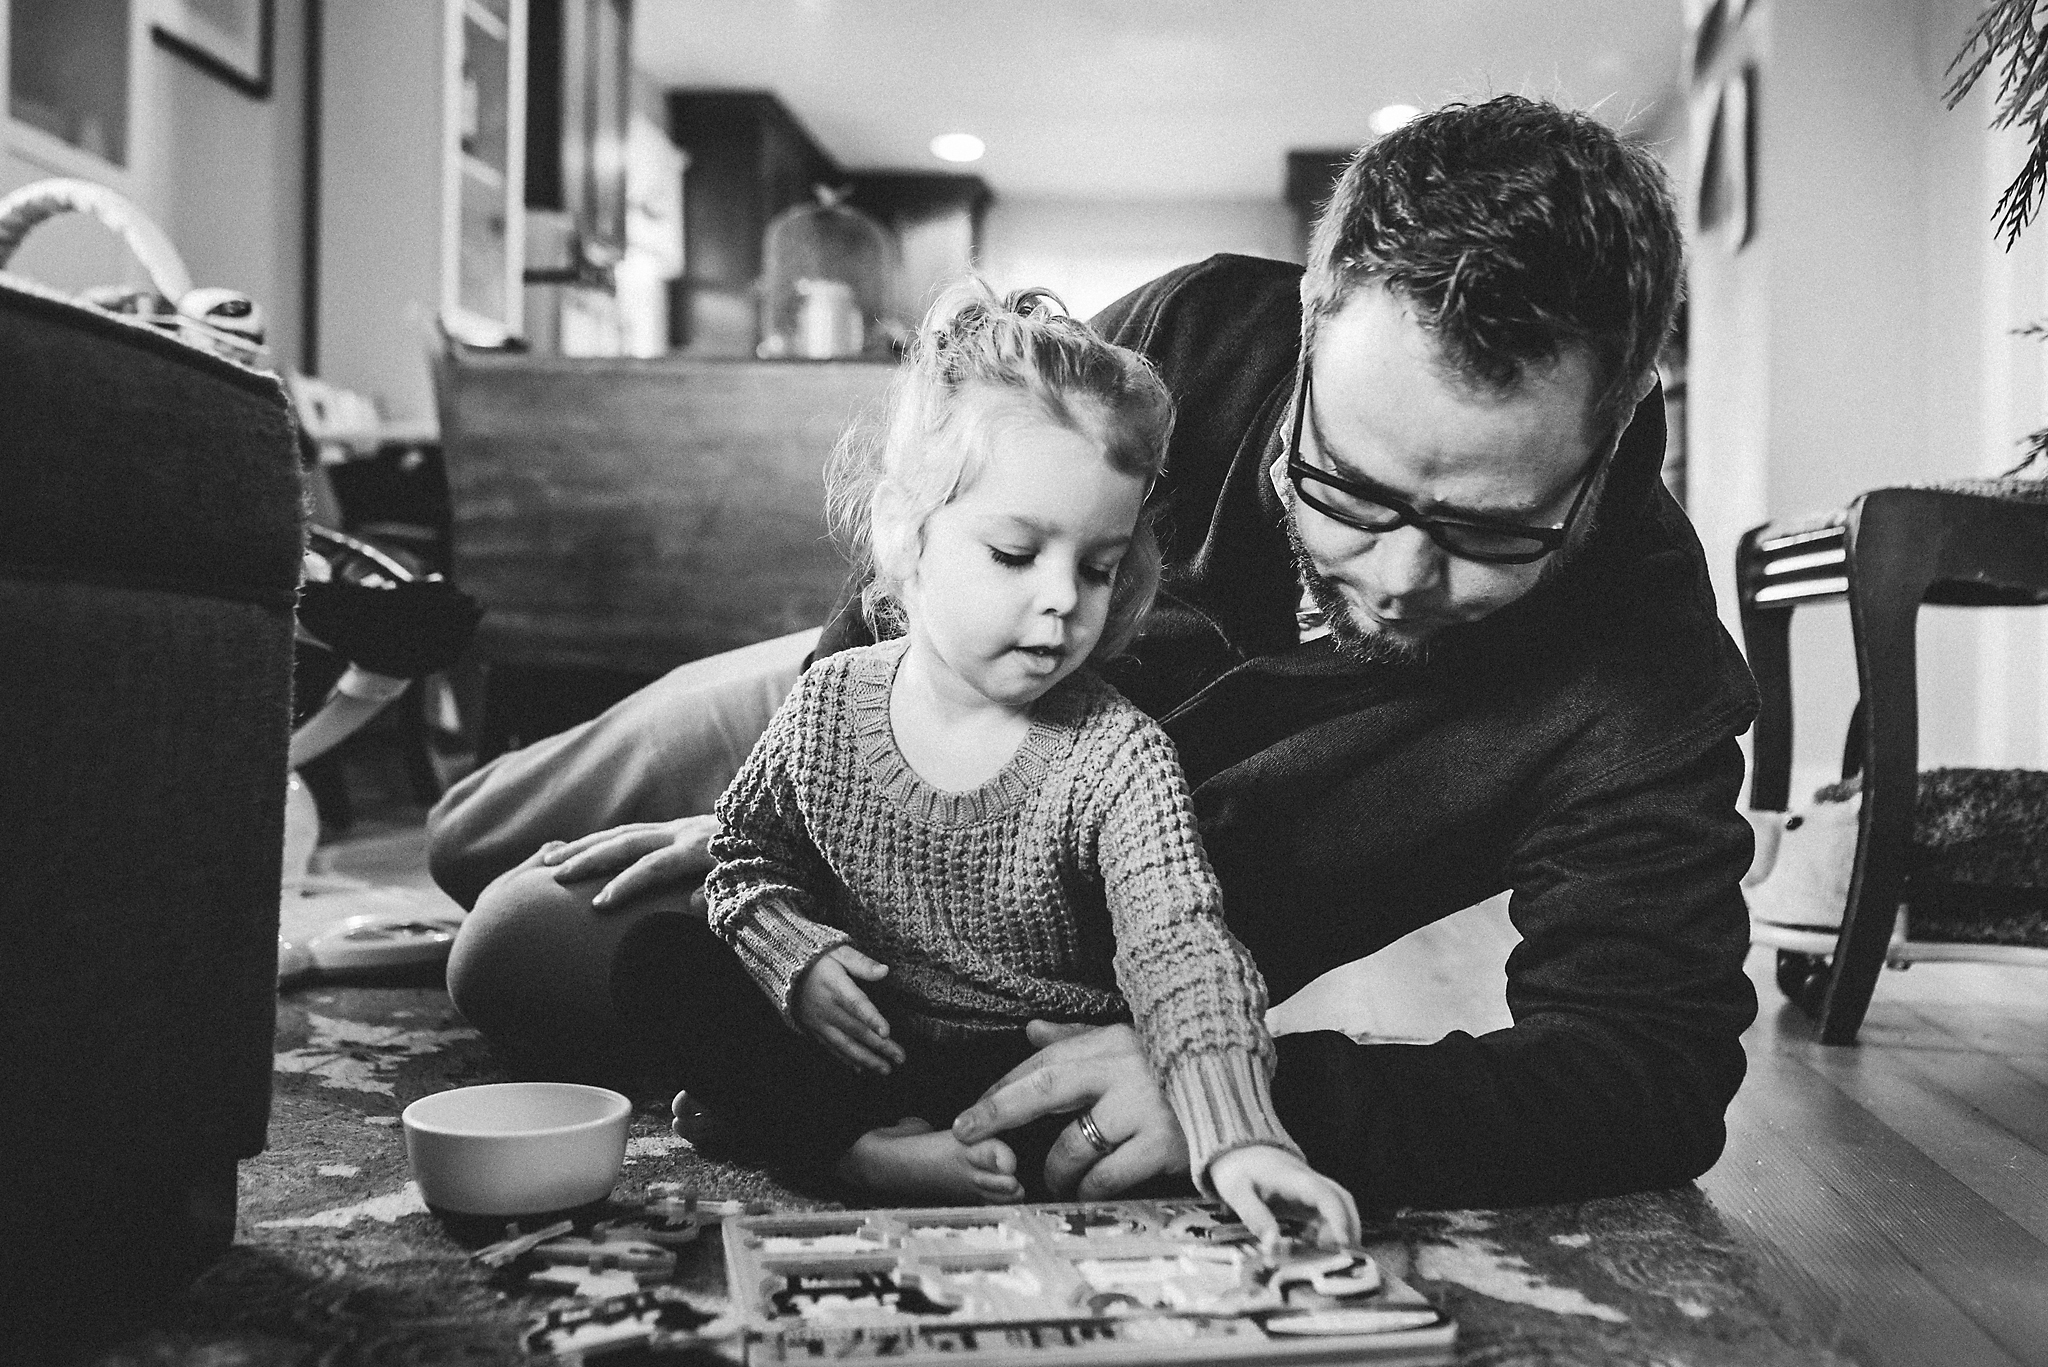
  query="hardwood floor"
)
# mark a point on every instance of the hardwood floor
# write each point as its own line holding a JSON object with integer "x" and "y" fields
{"x": 1899, "y": 1189}
{"x": 1896, "y": 1192}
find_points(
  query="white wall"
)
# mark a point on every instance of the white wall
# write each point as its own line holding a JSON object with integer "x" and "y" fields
{"x": 1862, "y": 339}
{"x": 380, "y": 200}
{"x": 234, "y": 196}
{"x": 1091, "y": 252}
{"x": 221, "y": 173}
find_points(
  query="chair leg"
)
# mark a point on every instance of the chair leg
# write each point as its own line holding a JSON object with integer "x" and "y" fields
{"x": 503, "y": 713}
{"x": 414, "y": 740}
{"x": 1889, "y": 578}
{"x": 1854, "y": 739}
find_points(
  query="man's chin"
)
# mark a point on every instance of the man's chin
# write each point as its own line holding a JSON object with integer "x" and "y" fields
{"x": 1375, "y": 645}
{"x": 1366, "y": 642}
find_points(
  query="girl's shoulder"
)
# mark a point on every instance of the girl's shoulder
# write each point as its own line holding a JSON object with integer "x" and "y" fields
{"x": 854, "y": 680}
{"x": 857, "y": 661}
{"x": 1100, "y": 717}
{"x": 861, "y": 668}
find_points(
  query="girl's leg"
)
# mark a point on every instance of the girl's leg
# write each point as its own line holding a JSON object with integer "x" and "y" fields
{"x": 936, "y": 1082}
{"x": 773, "y": 1096}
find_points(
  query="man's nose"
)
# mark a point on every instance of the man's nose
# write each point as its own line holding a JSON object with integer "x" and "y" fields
{"x": 1407, "y": 562}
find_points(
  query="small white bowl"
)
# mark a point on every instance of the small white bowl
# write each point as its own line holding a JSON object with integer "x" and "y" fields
{"x": 516, "y": 1148}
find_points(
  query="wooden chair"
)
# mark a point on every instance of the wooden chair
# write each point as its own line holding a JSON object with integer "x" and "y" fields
{"x": 1890, "y": 551}
{"x": 618, "y": 517}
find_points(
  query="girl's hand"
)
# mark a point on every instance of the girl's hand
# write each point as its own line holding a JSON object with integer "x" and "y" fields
{"x": 647, "y": 856}
{"x": 1258, "y": 1175}
{"x": 832, "y": 1007}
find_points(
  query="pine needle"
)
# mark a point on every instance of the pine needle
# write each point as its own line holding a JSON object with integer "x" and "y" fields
{"x": 2009, "y": 34}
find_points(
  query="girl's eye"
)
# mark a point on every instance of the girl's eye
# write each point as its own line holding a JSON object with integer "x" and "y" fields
{"x": 1010, "y": 560}
{"x": 1098, "y": 574}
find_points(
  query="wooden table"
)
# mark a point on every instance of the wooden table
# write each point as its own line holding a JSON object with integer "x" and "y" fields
{"x": 629, "y": 515}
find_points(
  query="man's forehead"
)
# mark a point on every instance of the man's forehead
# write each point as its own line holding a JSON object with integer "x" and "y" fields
{"x": 1387, "y": 408}
{"x": 1375, "y": 324}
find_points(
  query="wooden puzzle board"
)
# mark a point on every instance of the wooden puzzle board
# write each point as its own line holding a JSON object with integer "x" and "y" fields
{"x": 1123, "y": 1282}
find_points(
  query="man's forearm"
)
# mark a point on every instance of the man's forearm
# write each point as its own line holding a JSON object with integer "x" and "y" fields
{"x": 1553, "y": 1115}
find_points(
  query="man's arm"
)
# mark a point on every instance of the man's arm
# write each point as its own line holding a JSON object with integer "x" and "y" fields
{"x": 1629, "y": 1000}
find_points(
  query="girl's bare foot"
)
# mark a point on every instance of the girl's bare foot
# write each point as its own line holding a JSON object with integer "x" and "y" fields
{"x": 913, "y": 1163}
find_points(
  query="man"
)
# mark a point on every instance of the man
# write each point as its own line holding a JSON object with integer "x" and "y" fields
{"x": 1430, "y": 628}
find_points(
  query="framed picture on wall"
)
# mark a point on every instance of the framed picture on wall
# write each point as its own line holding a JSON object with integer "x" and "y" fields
{"x": 227, "y": 39}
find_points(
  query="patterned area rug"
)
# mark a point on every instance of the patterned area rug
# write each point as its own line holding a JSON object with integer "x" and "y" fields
{"x": 338, "y": 1263}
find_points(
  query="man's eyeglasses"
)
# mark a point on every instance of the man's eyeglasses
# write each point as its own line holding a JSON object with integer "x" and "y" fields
{"x": 1370, "y": 508}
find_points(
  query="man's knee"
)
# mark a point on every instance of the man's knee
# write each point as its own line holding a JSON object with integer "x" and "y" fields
{"x": 533, "y": 960}
{"x": 666, "y": 751}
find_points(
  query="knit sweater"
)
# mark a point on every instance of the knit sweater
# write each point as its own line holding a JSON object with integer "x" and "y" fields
{"x": 1074, "y": 872}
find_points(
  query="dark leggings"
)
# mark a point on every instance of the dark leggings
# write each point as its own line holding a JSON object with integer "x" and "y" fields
{"x": 778, "y": 1096}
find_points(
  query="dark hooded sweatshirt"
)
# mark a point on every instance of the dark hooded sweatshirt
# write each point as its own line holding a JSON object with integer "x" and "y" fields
{"x": 1576, "y": 748}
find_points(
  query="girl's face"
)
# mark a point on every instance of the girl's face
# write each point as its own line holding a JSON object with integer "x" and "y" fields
{"x": 1012, "y": 587}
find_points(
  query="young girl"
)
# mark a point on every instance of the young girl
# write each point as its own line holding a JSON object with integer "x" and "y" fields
{"x": 962, "y": 829}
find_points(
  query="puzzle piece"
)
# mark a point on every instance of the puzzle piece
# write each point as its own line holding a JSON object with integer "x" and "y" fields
{"x": 668, "y": 1234}
{"x": 570, "y": 1280}
{"x": 675, "y": 1202}
{"x": 515, "y": 1245}
{"x": 648, "y": 1262}
{"x": 1338, "y": 1274}
{"x": 654, "y": 1320}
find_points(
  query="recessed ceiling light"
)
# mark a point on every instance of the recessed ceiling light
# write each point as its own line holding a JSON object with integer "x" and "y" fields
{"x": 1387, "y": 118}
{"x": 958, "y": 147}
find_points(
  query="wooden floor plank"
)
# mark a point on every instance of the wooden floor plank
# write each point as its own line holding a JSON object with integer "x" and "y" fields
{"x": 1778, "y": 1184}
{"x": 1988, "y": 1029}
{"x": 1979, "y": 1121}
{"x": 2032, "y": 1065}
{"x": 1991, "y": 1267}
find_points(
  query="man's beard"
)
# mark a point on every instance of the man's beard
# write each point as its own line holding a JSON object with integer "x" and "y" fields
{"x": 1353, "y": 642}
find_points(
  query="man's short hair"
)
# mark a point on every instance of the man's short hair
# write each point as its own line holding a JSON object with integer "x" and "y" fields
{"x": 1514, "y": 229}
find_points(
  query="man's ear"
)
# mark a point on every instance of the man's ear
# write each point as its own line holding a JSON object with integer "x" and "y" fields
{"x": 1645, "y": 382}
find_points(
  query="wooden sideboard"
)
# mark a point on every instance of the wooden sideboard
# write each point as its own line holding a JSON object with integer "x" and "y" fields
{"x": 629, "y": 514}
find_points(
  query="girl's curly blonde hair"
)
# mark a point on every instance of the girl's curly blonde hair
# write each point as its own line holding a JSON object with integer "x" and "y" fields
{"x": 979, "y": 362}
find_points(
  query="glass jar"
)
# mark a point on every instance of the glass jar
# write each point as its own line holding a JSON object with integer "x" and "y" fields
{"x": 827, "y": 271}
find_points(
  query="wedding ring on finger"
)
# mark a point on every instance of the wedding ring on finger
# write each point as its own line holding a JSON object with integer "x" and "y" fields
{"x": 1092, "y": 1132}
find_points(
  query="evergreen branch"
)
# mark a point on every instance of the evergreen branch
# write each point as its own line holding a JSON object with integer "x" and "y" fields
{"x": 2009, "y": 30}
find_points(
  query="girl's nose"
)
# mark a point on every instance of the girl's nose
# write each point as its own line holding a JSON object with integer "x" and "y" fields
{"x": 1058, "y": 590}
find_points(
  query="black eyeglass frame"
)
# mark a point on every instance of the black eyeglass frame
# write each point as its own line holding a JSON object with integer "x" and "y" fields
{"x": 1439, "y": 530}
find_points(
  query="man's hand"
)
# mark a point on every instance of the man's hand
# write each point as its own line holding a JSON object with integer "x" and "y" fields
{"x": 1256, "y": 1176}
{"x": 830, "y": 1004}
{"x": 1101, "y": 1071}
{"x": 647, "y": 856}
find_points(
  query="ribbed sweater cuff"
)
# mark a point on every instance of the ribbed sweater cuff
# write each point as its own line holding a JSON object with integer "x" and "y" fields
{"x": 1223, "y": 1103}
{"x": 777, "y": 946}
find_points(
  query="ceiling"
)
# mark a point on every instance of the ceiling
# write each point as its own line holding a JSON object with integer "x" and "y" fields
{"x": 1153, "y": 99}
